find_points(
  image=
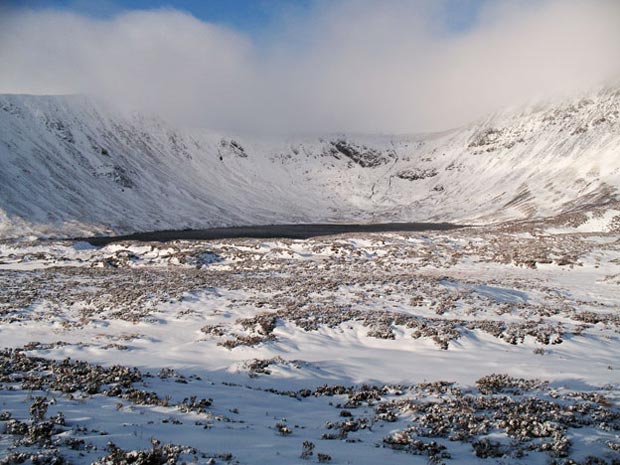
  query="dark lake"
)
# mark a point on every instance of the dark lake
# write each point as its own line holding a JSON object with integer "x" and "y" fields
{"x": 289, "y": 231}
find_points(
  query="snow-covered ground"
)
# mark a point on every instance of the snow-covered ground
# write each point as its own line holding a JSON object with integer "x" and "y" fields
{"x": 471, "y": 346}
{"x": 496, "y": 344}
{"x": 70, "y": 166}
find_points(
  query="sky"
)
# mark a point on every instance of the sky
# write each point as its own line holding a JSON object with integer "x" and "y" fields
{"x": 254, "y": 17}
{"x": 308, "y": 66}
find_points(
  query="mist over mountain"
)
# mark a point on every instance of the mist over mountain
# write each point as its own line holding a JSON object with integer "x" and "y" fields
{"x": 360, "y": 66}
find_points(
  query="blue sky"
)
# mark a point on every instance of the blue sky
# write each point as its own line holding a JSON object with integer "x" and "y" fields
{"x": 250, "y": 16}
{"x": 253, "y": 17}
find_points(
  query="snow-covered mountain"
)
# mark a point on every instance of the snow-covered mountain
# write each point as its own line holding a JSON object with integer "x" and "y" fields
{"x": 70, "y": 165}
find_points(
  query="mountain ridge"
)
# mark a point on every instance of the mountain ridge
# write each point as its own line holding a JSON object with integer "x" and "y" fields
{"x": 72, "y": 166}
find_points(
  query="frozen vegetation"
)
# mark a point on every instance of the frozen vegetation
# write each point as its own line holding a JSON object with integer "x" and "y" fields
{"x": 482, "y": 345}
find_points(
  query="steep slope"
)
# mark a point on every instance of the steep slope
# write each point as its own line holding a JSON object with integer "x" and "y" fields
{"x": 69, "y": 165}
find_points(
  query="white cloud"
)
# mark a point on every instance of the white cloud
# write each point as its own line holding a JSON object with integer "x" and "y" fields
{"x": 350, "y": 65}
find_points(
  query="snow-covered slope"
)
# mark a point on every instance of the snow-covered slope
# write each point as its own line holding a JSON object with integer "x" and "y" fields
{"x": 70, "y": 165}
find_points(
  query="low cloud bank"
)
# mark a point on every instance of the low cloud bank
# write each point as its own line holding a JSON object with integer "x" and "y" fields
{"x": 352, "y": 65}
